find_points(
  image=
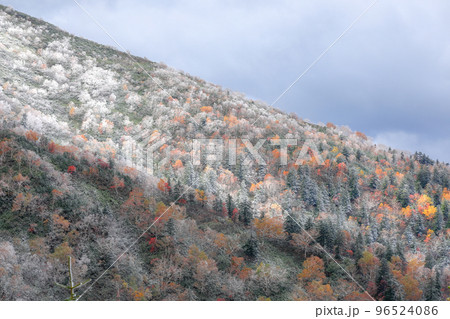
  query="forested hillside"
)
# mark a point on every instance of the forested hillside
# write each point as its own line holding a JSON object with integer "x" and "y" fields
{"x": 364, "y": 222}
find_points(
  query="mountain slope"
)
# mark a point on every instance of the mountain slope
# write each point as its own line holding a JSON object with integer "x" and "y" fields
{"x": 78, "y": 123}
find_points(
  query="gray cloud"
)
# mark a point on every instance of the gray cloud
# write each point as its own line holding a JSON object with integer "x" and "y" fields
{"x": 388, "y": 77}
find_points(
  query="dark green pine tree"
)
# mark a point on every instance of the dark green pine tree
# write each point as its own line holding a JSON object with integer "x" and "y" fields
{"x": 262, "y": 171}
{"x": 385, "y": 287}
{"x": 429, "y": 260}
{"x": 419, "y": 225}
{"x": 345, "y": 152}
{"x": 218, "y": 205}
{"x": 439, "y": 223}
{"x": 433, "y": 288}
{"x": 245, "y": 213}
{"x": 358, "y": 246}
{"x": 291, "y": 225}
{"x": 292, "y": 182}
{"x": 309, "y": 223}
{"x": 339, "y": 244}
{"x": 403, "y": 195}
{"x": 290, "y": 179}
{"x": 230, "y": 206}
{"x": 423, "y": 176}
{"x": 353, "y": 186}
{"x": 310, "y": 191}
{"x": 445, "y": 211}
{"x": 176, "y": 192}
{"x": 346, "y": 204}
{"x": 389, "y": 252}
{"x": 327, "y": 234}
{"x": 374, "y": 182}
{"x": 358, "y": 154}
{"x": 251, "y": 248}
{"x": 169, "y": 227}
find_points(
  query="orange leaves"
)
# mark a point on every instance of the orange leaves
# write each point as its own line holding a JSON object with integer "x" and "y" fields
{"x": 411, "y": 288}
{"x": 414, "y": 266}
{"x": 331, "y": 125}
{"x": 445, "y": 193}
{"x": 52, "y": 147}
{"x": 276, "y": 154}
{"x": 313, "y": 274}
{"x": 55, "y": 148}
{"x": 270, "y": 227}
{"x": 80, "y": 138}
{"x": 72, "y": 111}
{"x": 424, "y": 200}
{"x": 19, "y": 178}
{"x": 178, "y": 164}
{"x": 179, "y": 119}
{"x": 379, "y": 218}
{"x": 200, "y": 195}
{"x": 224, "y": 243}
{"x": 256, "y": 186}
{"x": 430, "y": 212}
{"x": 61, "y": 222}
{"x": 430, "y": 234}
{"x": 163, "y": 186}
{"x": 231, "y": 120}
{"x": 420, "y": 204}
{"x": 117, "y": 183}
{"x": 206, "y": 109}
{"x": 130, "y": 171}
{"x": 319, "y": 292}
{"x": 4, "y": 147}
{"x": 227, "y": 178}
{"x": 342, "y": 167}
{"x": 21, "y": 201}
{"x": 361, "y": 135}
{"x": 162, "y": 148}
{"x": 56, "y": 193}
{"x": 221, "y": 240}
{"x": 139, "y": 295}
{"x": 32, "y": 136}
{"x": 275, "y": 138}
{"x": 135, "y": 198}
{"x": 380, "y": 173}
{"x": 313, "y": 269}
{"x": 238, "y": 268}
{"x": 384, "y": 207}
{"x": 424, "y": 205}
{"x": 407, "y": 211}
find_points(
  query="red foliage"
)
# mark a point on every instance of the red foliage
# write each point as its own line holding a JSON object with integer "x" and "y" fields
{"x": 51, "y": 147}
{"x": 71, "y": 169}
{"x": 152, "y": 243}
{"x": 235, "y": 215}
{"x": 163, "y": 186}
{"x": 102, "y": 163}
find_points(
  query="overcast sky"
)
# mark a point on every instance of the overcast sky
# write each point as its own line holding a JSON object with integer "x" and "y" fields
{"x": 388, "y": 77}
